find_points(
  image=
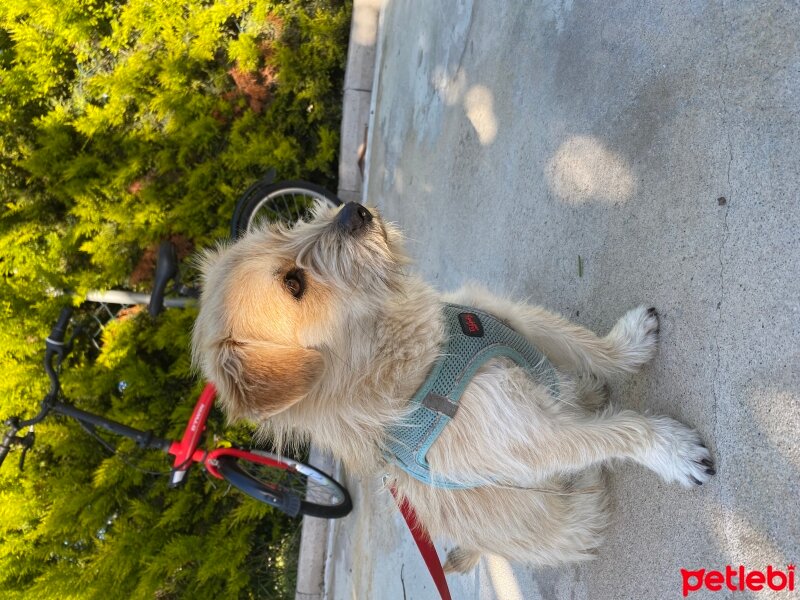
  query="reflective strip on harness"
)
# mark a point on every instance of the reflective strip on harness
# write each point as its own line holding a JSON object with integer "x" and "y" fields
{"x": 472, "y": 337}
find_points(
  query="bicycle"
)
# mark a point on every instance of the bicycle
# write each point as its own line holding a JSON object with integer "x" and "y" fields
{"x": 288, "y": 485}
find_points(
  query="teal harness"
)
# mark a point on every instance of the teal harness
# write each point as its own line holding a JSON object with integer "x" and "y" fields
{"x": 472, "y": 337}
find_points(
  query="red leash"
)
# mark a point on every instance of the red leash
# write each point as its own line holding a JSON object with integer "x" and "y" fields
{"x": 424, "y": 544}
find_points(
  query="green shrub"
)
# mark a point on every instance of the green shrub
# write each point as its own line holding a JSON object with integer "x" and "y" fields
{"x": 121, "y": 124}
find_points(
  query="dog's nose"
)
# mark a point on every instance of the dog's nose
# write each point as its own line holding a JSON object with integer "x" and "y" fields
{"x": 353, "y": 217}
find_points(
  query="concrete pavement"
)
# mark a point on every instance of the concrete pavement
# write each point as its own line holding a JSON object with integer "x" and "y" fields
{"x": 657, "y": 145}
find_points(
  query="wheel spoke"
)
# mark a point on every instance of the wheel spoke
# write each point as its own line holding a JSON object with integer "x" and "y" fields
{"x": 287, "y": 205}
{"x": 287, "y": 215}
{"x": 294, "y": 481}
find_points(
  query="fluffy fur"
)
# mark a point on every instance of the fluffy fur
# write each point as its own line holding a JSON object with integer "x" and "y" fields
{"x": 339, "y": 364}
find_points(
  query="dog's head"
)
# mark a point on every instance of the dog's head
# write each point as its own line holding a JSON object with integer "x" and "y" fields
{"x": 274, "y": 299}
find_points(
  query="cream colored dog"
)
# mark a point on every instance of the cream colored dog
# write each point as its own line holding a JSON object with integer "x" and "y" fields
{"x": 319, "y": 333}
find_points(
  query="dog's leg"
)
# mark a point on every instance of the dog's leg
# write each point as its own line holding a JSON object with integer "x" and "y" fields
{"x": 669, "y": 448}
{"x": 630, "y": 343}
{"x": 461, "y": 560}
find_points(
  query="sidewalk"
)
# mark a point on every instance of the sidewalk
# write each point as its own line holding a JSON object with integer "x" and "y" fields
{"x": 660, "y": 143}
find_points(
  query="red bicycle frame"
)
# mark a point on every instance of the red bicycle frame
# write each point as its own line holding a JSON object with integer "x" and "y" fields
{"x": 186, "y": 452}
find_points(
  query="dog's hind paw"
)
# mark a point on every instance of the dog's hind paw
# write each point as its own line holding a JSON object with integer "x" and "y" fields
{"x": 460, "y": 560}
{"x": 635, "y": 338}
{"x": 680, "y": 454}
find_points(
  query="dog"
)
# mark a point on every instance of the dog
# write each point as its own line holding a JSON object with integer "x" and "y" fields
{"x": 319, "y": 332}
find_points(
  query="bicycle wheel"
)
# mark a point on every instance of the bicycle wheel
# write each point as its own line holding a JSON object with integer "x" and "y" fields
{"x": 283, "y": 202}
{"x": 294, "y": 487}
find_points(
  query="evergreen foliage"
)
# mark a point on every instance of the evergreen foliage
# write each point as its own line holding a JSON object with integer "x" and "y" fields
{"x": 121, "y": 124}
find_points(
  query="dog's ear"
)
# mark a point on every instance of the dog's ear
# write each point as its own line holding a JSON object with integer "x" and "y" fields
{"x": 259, "y": 379}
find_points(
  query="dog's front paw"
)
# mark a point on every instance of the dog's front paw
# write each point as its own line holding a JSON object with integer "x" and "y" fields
{"x": 634, "y": 338}
{"x": 679, "y": 454}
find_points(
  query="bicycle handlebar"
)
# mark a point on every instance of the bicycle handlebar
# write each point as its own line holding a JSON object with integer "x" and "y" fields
{"x": 56, "y": 336}
{"x": 54, "y": 347}
{"x": 8, "y": 440}
{"x": 11, "y": 439}
{"x": 166, "y": 269}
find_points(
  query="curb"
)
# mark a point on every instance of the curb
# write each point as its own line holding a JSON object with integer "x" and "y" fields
{"x": 314, "y": 540}
{"x": 358, "y": 84}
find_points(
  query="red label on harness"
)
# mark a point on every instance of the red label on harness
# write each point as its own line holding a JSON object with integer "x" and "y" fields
{"x": 471, "y": 324}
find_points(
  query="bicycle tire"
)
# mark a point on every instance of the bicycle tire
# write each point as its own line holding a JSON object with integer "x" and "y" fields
{"x": 284, "y": 201}
{"x": 239, "y": 472}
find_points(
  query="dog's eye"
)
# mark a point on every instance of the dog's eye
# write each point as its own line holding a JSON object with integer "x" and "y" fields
{"x": 295, "y": 282}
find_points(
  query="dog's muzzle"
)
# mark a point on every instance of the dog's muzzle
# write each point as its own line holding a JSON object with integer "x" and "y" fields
{"x": 353, "y": 217}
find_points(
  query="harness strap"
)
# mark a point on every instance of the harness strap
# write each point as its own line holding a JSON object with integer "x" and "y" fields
{"x": 472, "y": 338}
{"x": 424, "y": 543}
